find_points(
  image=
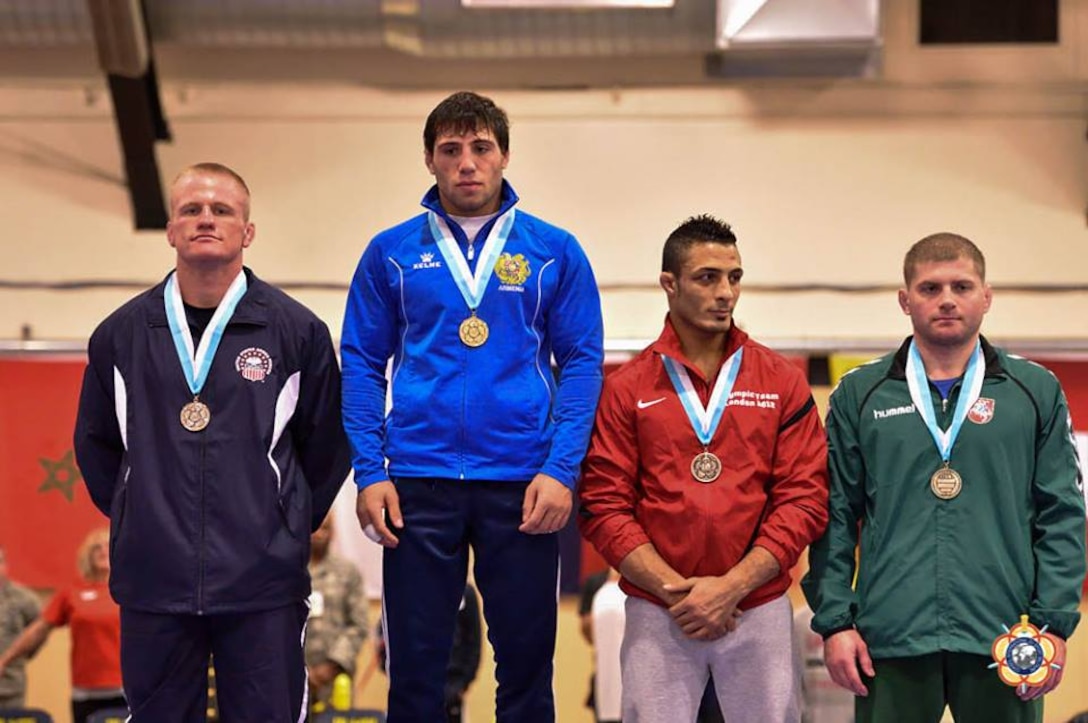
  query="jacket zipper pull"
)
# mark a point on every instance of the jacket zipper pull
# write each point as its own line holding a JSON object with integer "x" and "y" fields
{"x": 471, "y": 250}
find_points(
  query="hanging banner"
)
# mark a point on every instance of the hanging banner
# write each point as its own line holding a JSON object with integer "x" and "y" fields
{"x": 45, "y": 511}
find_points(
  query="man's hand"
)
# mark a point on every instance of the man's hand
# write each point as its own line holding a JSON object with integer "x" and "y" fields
{"x": 1031, "y": 692}
{"x": 323, "y": 674}
{"x": 843, "y": 653}
{"x": 370, "y": 504}
{"x": 546, "y": 507}
{"x": 708, "y": 609}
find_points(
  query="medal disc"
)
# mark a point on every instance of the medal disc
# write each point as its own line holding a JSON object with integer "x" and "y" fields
{"x": 946, "y": 483}
{"x": 195, "y": 415}
{"x": 706, "y": 467}
{"x": 473, "y": 331}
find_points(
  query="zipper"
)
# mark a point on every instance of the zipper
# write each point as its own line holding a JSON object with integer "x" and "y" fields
{"x": 200, "y": 579}
{"x": 464, "y": 412}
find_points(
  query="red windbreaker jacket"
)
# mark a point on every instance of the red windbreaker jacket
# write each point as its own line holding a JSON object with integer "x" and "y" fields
{"x": 637, "y": 485}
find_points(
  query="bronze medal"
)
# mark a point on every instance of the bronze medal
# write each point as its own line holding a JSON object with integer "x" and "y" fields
{"x": 946, "y": 483}
{"x": 706, "y": 467}
{"x": 195, "y": 415}
{"x": 473, "y": 331}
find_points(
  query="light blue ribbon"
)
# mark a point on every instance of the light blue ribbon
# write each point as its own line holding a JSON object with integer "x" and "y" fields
{"x": 196, "y": 364}
{"x": 704, "y": 421}
{"x": 472, "y": 285}
{"x": 918, "y": 383}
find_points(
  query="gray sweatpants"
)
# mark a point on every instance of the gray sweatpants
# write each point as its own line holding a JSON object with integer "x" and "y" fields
{"x": 756, "y": 676}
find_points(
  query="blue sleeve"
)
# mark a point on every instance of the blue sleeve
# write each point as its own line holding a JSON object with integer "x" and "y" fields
{"x": 577, "y": 339}
{"x": 368, "y": 340}
{"x": 98, "y": 444}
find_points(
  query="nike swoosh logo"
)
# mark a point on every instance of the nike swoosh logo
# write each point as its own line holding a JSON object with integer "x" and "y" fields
{"x": 645, "y": 405}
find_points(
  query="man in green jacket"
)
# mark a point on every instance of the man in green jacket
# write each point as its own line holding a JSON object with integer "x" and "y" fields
{"x": 957, "y": 462}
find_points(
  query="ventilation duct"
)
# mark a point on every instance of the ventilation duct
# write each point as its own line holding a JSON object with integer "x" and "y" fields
{"x": 830, "y": 38}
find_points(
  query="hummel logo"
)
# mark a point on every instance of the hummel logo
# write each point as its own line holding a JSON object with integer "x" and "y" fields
{"x": 644, "y": 405}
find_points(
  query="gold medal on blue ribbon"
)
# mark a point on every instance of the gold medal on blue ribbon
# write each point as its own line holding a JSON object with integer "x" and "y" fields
{"x": 473, "y": 331}
{"x": 946, "y": 483}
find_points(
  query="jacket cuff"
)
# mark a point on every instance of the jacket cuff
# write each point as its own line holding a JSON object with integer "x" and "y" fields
{"x": 1058, "y": 622}
{"x": 562, "y": 475}
{"x": 364, "y": 481}
{"x": 834, "y": 631}
{"x": 785, "y": 562}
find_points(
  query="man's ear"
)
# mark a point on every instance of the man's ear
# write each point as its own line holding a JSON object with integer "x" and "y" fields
{"x": 668, "y": 282}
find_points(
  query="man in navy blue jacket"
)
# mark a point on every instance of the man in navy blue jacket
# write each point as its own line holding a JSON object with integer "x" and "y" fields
{"x": 471, "y": 299}
{"x": 209, "y": 432}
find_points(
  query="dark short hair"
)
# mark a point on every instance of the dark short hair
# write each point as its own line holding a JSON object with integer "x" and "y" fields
{"x": 943, "y": 246}
{"x": 467, "y": 112}
{"x": 702, "y": 229}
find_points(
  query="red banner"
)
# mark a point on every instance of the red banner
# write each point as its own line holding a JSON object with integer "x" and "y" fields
{"x": 45, "y": 511}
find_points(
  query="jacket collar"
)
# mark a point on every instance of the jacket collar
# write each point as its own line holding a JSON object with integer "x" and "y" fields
{"x": 898, "y": 369}
{"x": 251, "y": 309}
{"x": 668, "y": 344}
{"x": 432, "y": 202}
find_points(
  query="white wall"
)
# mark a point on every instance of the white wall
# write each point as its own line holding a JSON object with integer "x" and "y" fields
{"x": 824, "y": 185}
{"x": 825, "y": 182}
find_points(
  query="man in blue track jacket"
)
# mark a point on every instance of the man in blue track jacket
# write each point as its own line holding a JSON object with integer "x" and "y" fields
{"x": 209, "y": 432}
{"x": 471, "y": 299}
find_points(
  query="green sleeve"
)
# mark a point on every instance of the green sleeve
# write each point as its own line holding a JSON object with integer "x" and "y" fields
{"x": 1059, "y": 524}
{"x": 828, "y": 585}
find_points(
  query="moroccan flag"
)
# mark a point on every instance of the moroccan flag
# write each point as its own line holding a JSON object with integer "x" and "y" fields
{"x": 45, "y": 511}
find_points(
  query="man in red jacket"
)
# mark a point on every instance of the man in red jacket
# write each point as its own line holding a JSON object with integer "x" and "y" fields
{"x": 706, "y": 477}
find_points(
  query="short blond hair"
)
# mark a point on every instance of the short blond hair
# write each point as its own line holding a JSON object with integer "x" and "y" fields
{"x": 216, "y": 169}
{"x": 98, "y": 537}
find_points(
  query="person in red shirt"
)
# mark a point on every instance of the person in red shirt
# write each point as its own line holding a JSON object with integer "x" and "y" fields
{"x": 95, "y": 622}
{"x": 706, "y": 477}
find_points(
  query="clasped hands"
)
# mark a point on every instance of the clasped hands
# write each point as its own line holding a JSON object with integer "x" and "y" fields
{"x": 705, "y": 608}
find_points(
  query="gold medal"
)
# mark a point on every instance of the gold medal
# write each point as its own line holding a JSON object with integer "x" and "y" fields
{"x": 706, "y": 467}
{"x": 195, "y": 415}
{"x": 946, "y": 483}
{"x": 473, "y": 331}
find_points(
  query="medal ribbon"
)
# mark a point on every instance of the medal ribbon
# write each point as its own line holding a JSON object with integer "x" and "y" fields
{"x": 704, "y": 420}
{"x": 196, "y": 364}
{"x": 472, "y": 285}
{"x": 923, "y": 400}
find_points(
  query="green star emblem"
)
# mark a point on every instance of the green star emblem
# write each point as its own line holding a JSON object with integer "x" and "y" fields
{"x": 61, "y": 474}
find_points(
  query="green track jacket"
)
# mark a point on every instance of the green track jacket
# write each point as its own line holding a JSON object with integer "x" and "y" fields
{"x": 938, "y": 574}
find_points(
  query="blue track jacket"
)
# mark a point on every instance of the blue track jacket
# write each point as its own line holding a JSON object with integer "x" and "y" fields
{"x": 489, "y": 413}
{"x": 216, "y": 521}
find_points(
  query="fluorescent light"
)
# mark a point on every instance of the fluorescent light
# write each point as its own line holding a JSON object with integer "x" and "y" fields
{"x": 566, "y": 4}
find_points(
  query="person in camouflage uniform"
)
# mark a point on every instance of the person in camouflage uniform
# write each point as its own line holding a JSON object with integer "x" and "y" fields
{"x": 337, "y": 625}
{"x": 19, "y": 607}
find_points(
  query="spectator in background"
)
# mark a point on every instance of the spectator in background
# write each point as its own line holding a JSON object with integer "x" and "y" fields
{"x": 87, "y": 608}
{"x": 19, "y": 607}
{"x": 337, "y": 626}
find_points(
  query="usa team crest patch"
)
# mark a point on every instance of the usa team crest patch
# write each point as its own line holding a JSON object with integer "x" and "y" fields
{"x": 254, "y": 364}
{"x": 512, "y": 270}
{"x": 982, "y": 411}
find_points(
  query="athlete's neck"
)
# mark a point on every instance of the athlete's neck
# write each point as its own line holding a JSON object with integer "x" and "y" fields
{"x": 704, "y": 350}
{"x": 205, "y": 286}
{"x": 945, "y": 362}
